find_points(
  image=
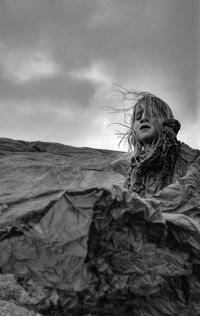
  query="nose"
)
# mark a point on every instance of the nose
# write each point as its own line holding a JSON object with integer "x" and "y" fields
{"x": 144, "y": 117}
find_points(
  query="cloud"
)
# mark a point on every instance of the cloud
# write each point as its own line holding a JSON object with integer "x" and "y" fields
{"x": 67, "y": 53}
{"x": 24, "y": 66}
{"x": 189, "y": 132}
{"x": 62, "y": 122}
{"x": 95, "y": 73}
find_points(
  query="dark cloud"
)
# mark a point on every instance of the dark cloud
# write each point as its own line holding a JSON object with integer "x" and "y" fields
{"x": 149, "y": 45}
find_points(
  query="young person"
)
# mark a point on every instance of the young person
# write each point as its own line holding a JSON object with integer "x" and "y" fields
{"x": 144, "y": 251}
{"x": 159, "y": 159}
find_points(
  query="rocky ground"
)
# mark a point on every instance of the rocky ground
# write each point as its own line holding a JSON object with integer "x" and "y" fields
{"x": 33, "y": 177}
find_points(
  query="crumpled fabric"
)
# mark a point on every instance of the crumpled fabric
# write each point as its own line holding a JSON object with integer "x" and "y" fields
{"x": 144, "y": 253}
{"x": 112, "y": 252}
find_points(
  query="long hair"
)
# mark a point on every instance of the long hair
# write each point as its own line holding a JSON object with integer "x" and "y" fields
{"x": 164, "y": 148}
{"x": 157, "y": 109}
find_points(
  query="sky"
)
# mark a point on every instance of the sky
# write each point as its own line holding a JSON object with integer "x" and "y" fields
{"x": 62, "y": 63}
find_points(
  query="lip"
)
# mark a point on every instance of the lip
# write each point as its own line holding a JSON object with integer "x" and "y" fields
{"x": 144, "y": 126}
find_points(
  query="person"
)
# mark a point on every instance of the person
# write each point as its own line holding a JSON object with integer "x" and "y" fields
{"x": 159, "y": 159}
{"x": 144, "y": 254}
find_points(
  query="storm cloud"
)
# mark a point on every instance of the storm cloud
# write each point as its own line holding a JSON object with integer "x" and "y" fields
{"x": 59, "y": 60}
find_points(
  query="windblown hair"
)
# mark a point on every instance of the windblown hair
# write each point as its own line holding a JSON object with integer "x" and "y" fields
{"x": 155, "y": 108}
{"x": 164, "y": 148}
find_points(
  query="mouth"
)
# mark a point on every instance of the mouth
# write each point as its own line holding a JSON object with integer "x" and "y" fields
{"x": 145, "y": 126}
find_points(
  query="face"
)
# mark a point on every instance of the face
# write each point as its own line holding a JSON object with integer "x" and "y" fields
{"x": 144, "y": 125}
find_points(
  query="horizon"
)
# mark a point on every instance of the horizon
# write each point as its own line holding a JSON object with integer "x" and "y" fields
{"x": 61, "y": 64}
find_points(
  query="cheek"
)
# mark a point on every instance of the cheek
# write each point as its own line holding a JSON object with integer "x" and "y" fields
{"x": 135, "y": 126}
{"x": 158, "y": 123}
{"x": 156, "y": 129}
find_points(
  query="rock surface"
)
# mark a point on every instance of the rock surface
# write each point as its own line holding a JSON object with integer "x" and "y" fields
{"x": 10, "y": 309}
{"x": 72, "y": 244}
{"x": 34, "y": 176}
{"x": 33, "y": 173}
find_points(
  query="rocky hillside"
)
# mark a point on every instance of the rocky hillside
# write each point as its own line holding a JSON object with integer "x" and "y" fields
{"x": 34, "y": 224}
{"x": 74, "y": 242}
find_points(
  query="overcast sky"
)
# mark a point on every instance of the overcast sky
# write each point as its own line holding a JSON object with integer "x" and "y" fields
{"x": 60, "y": 61}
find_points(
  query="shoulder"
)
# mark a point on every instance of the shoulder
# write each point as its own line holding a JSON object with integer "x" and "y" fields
{"x": 186, "y": 157}
{"x": 188, "y": 154}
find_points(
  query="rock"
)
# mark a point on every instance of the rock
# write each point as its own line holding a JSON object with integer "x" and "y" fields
{"x": 44, "y": 227}
{"x": 73, "y": 246}
{"x": 35, "y": 173}
{"x": 34, "y": 298}
{"x": 11, "y": 309}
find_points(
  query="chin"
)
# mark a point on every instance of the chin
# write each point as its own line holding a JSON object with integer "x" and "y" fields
{"x": 147, "y": 138}
{"x": 147, "y": 142}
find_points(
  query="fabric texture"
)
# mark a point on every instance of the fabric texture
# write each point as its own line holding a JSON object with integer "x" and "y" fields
{"x": 115, "y": 251}
{"x": 144, "y": 250}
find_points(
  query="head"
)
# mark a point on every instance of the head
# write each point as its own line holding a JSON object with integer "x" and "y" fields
{"x": 149, "y": 114}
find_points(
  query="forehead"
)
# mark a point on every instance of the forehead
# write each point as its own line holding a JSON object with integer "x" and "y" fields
{"x": 144, "y": 105}
{"x": 140, "y": 106}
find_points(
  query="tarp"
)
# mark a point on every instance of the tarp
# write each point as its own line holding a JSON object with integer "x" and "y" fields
{"x": 144, "y": 261}
{"x": 109, "y": 251}
{"x": 113, "y": 253}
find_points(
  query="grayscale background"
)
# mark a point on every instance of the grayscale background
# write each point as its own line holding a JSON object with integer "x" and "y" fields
{"x": 60, "y": 61}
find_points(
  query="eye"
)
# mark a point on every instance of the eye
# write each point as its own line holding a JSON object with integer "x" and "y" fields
{"x": 138, "y": 115}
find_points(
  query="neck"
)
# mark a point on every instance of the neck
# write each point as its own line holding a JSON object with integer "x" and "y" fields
{"x": 147, "y": 147}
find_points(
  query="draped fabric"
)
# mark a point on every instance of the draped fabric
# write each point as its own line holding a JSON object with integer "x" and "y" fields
{"x": 114, "y": 251}
{"x": 144, "y": 250}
